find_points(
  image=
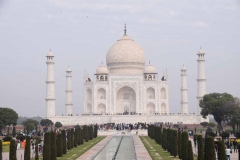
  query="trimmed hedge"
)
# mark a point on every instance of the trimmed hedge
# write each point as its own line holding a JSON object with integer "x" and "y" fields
{"x": 1, "y": 149}
{"x": 27, "y": 155}
{"x": 179, "y": 144}
{"x": 13, "y": 149}
{"x": 209, "y": 150}
{"x": 46, "y": 146}
{"x": 53, "y": 147}
{"x": 184, "y": 146}
{"x": 59, "y": 145}
{"x": 200, "y": 147}
{"x": 64, "y": 143}
{"x": 190, "y": 151}
{"x": 221, "y": 151}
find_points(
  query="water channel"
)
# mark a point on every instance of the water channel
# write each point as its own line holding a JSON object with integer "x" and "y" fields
{"x": 119, "y": 148}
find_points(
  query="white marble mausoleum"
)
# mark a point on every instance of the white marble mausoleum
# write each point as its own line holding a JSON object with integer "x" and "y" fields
{"x": 126, "y": 90}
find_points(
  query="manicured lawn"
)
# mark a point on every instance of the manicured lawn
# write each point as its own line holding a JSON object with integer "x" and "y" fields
{"x": 76, "y": 152}
{"x": 155, "y": 150}
{"x": 5, "y": 148}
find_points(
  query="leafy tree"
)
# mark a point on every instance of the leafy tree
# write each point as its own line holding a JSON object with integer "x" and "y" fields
{"x": 7, "y": 117}
{"x": 27, "y": 149}
{"x": 200, "y": 147}
{"x": 14, "y": 131}
{"x": 59, "y": 145}
{"x": 46, "y": 146}
{"x": 58, "y": 124}
{"x": 204, "y": 124}
{"x": 179, "y": 144}
{"x": 221, "y": 151}
{"x": 1, "y": 149}
{"x": 64, "y": 141}
{"x": 34, "y": 122}
{"x": 13, "y": 148}
{"x": 53, "y": 147}
{"x": 184, "y": 146}
{"x": 209, "y": 149}
{"x": 29, "y": 127}
{"x": 190, "y": 151}
{"x": 215, "y": 104}
{"x": 225, "y": 134}
{"x": 211, "y": 124}
{"x": 46, "y": 123}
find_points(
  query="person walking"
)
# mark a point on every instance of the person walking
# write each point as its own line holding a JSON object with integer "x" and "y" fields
{"x": 235, "y": 144}
{"x": 228, "y": 152}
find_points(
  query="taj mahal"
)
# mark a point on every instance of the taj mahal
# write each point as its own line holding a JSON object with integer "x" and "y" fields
{"x": 126, "y": 90}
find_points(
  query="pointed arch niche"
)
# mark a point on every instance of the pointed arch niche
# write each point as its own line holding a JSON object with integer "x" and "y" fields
{"x": 150, "y": 93}
{"x": 163, "y": 93}
{"x": 163, "y": 108}
{"x": 101, "y": 93}
{"x": 150, "y": 108}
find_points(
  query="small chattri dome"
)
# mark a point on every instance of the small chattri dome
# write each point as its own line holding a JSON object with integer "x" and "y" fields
{"x": 201, "y": 51}
{"x": 150, "y": 69}
{"x": 69, "y": 69}
{"x": 50, "y": 54}
{"x": 183, "y": 68}
{"x": 102, "y": 70}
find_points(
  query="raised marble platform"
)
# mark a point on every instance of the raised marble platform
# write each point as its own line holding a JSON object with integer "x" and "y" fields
{"x": 103, "y": 119}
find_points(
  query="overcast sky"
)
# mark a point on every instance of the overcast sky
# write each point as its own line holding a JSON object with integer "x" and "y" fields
{"x": 80, "y": 34}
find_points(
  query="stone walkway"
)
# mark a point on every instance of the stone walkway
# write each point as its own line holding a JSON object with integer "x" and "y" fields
{"x": 95, "y": 149}
{"x": 140, "y": 150}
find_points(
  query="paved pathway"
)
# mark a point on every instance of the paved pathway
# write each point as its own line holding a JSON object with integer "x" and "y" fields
{"x": 141, "y": 151}
{"x": 95, "y": 149}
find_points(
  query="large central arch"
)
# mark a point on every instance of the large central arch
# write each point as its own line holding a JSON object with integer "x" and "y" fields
{"x": 126, "y": 100}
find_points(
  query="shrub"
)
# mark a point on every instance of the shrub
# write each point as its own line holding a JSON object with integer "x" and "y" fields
{"x": 204, "y": 124}
{"x": 184, "y": 146}
{"x": 53, "y": 148}
{"x": 36, "y": 152}
{"x": 46, "y": 146}
{"x": 7, "y": 138}
{"x": 1, "y": 149}
{"x": 190, "y": 151}
{"x": 64, "y": 141}
{"x": 12, "y": 152}
{"x": 225, "y": 134}
{"x": 221, "y": 151}
{"x": 59, "y": 145}
{"x": 209, "y": 149}
{"x": 179, "y": 144}
{"x": 200, "y": 147}
{"x": 27, "y": 149}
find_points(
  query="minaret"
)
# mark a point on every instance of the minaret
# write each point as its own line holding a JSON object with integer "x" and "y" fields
{"x": 50, "y": 99}
{"x": 69, "y": 103}
{"x": 184, "y": 95}
{"x": 201, "y": 80}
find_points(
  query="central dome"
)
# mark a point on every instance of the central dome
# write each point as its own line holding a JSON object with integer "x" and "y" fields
{"x": 125, "y": 57}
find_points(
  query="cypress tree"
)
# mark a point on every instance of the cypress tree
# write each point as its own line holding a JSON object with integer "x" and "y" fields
{"x": 179, "y": 144}
{"x": 12, "y": 148}
{"x": 68, "y": 139}
{"x": 1, "y": 149}
{"x": 36, "y": 152}
{"x": 184, "y": 146}
{"x": 64, "y": 141}
{"x": 95, "y": 130}
{"x": 53, "y": 148}
{"x": 72, "y": 138}
{"x": 14, "y": 132}
{"x": 174, "y": 143}
{"x": 200, "y": 147}
{"x": 76, "y": 137}
{"x": 209, "y": 150}
{"x": 190, "y": 151}
{"x": 86, "y": 133}
{"x": 59, "y": 145}
{"x": 79, "y": 136}
{"x": 238, "y": 150}
{"x": 221, "y": 151}
{"x": 46, "y": 146}
{"x": 27, "y": 155}
{"x": 160, "y": 135}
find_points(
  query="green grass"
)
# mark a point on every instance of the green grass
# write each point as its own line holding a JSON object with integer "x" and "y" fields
{"x": 5, "y": 148}
{"x": 157, "y": 152}
{"x": 76, "y": 152}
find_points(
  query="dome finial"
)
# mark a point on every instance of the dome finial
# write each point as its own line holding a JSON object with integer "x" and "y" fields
{"x": 125, "y": 29}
